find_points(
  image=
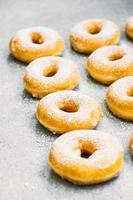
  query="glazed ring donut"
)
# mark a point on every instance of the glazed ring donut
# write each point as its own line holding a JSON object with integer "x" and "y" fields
{"x": 67, "y": 110}
{"x": 92, "y": 34}
{"x": 129, "y": 27}
{"x": 119, "y": 97}
{"x": 131, "y": 144}
{"x": 108, "y": 64}
{"x": 50, "y": 74}
{"x": 86, "y": 156}
{"x": 31, "y": 43}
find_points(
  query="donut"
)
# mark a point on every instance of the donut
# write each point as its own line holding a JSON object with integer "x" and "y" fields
{"x": 119, "y": 98}
{"x": 129, "y": 27}
{"x": 31, "y": 43}
{"x": 131, "y": 144}
{"x": 86, "y": 156}
{"x": 50, "y": 74}
{"x": 68, "y": 110}
{"x": 110, "y": 63}
{"x": 92, "y": 34}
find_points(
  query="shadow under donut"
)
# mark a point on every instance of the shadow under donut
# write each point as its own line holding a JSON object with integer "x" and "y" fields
{"x": 11, "y": 59}
{"x": 53, "y": 179}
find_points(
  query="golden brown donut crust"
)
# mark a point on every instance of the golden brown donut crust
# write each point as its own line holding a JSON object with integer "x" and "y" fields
{"x": 104, "y": 162}
{"x": 129, "y": 27}
{"x": 110, "y": 63}
{"x": 92, "y": 34}
{"x": 31, "y": 43}
{"x": 50, "y": 74}
{"x": 131, "y": 144}
{"x": 67, "y": 110}
{"x": 119, "y": 98}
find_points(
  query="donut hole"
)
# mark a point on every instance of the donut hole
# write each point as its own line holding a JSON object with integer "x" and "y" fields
{"x": 69, "y": 106}
{"x": 87, "y": 148}
{"x": 115, "y": 57}
{"x": 85, "y": 154}
{"x": 93, "y": 28}
{"x": 50, "y": 71}
{"x": 37, "y": 38}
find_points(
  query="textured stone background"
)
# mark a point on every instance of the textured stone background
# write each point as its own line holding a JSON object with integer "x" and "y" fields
{"x": 24, "y": 143}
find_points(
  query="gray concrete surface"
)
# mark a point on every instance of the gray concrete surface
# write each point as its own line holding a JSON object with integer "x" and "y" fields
{"x": 24, "y": 143}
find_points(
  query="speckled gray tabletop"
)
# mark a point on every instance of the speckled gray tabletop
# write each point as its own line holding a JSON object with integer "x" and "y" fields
{"x": 24, "y": 143}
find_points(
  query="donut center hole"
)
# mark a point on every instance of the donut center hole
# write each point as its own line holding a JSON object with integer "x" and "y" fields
{"x": 85, "y": 154}
{"x": 116, "y": 57}
{"x": 69, "y": 106}
{"x": 37, "y": 38}
{"x": 87, "y": 148}
{"x": 50, "y": 71}
{"x": 93, "y": 28}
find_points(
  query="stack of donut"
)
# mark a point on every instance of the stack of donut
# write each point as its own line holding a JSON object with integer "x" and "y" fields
{"x": 81, "y": 155}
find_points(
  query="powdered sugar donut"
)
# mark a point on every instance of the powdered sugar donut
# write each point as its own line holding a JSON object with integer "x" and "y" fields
{"x": 119, "y": 97}
{"x": 108, "y": 64}
{"x": 92, "y": 34}
{"x": 68, "y": 110}
{"x": 31, "y": 43}
{"x": 86, "y": 156}
{"x": 129, "y": 27}
{"x": 50, "y": 74}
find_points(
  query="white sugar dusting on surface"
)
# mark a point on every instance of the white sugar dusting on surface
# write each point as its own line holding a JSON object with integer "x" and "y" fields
{"x": 26, "y": 185}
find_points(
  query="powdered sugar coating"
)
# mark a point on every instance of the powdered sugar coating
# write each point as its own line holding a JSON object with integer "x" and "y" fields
{"x": 66, "y": 76}
{"x": 50, "y": 36}
{"x": 104, "y": 148}
{"x": 110, "y": 63}
{"x": 122, "y": 87}
{"x": 129, "y": 27}
{"x": 31, "y": 43}
{"x": 71, "y": 142}
{"x": 108, "y": 28}
{"x": 87, "y": 115}
{"x": 91, "y": 34}
{"x": 119, "y": 98}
